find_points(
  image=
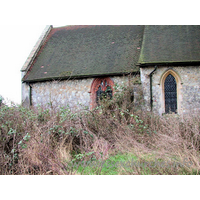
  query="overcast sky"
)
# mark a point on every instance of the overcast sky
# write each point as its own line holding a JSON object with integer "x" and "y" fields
{"x": 16, "y": 42}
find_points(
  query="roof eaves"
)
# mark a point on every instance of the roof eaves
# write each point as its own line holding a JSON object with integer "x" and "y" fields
{"x": 78, "y": 77}
{"x": 175, "y": 63}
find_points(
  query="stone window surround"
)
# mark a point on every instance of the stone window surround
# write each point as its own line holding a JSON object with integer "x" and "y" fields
{"x": 179, "y": 86}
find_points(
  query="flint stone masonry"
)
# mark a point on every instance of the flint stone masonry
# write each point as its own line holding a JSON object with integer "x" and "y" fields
{"x": 189, "y": 94}
{"x": 62, "y": 93}
{"x": 72, "y": 93}
{"x": 25, "y": 93}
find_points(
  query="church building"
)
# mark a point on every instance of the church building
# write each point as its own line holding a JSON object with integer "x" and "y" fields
{"x": 76, "y": 65}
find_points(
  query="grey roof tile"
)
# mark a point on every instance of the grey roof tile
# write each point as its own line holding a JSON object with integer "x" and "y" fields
{"x": 81, "y": 51}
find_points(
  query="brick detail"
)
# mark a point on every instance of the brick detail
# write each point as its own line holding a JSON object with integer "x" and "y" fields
{"x": 94, "y": 87}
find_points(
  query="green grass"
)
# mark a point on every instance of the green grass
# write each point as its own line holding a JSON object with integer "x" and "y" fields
{"x": 111, "y": 166}
{"x": 126, "y": 164}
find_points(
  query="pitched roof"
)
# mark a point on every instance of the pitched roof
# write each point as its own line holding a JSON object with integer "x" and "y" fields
{"x": 83, "y": 51}
{"x": 170, "y": 44}
{"x": 36, "y": 48}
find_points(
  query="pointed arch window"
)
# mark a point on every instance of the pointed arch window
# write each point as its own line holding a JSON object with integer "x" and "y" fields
{"x": 170, "y": 88}
{"x": 171, "y": 85}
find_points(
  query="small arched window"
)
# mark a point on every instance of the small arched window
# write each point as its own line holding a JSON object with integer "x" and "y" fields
{"x": 101, "y": 88}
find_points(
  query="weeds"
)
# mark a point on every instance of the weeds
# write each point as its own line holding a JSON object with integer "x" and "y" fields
{"x": 115, "y": 138}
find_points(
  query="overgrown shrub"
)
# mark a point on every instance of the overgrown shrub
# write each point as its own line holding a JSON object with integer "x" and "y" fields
{"x": 47, "y": 141}
{"x": 1, "y": 100}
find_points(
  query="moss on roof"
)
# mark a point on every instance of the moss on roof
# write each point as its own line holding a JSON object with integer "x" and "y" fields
{"x": 170, "y": 44}
{"x": 82, "y": 51}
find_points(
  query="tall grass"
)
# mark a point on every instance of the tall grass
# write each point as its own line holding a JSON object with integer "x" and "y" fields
{"x": 50, "y": 141}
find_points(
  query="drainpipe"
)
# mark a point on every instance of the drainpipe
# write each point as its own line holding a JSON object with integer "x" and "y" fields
{"x": 151, "y": 92}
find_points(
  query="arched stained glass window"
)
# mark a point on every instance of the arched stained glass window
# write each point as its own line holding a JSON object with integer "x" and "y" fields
{"x": 102, "y": 88}
{"x": 170, "y": 88}
{"x": 103, "y": 92}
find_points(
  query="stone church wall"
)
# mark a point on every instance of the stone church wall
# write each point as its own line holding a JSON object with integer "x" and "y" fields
{"x": 25, "y": 93}
{"x": 61, "y": 93}
{"x": 188, "y": 89}
{"x": 74, "y": 93}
